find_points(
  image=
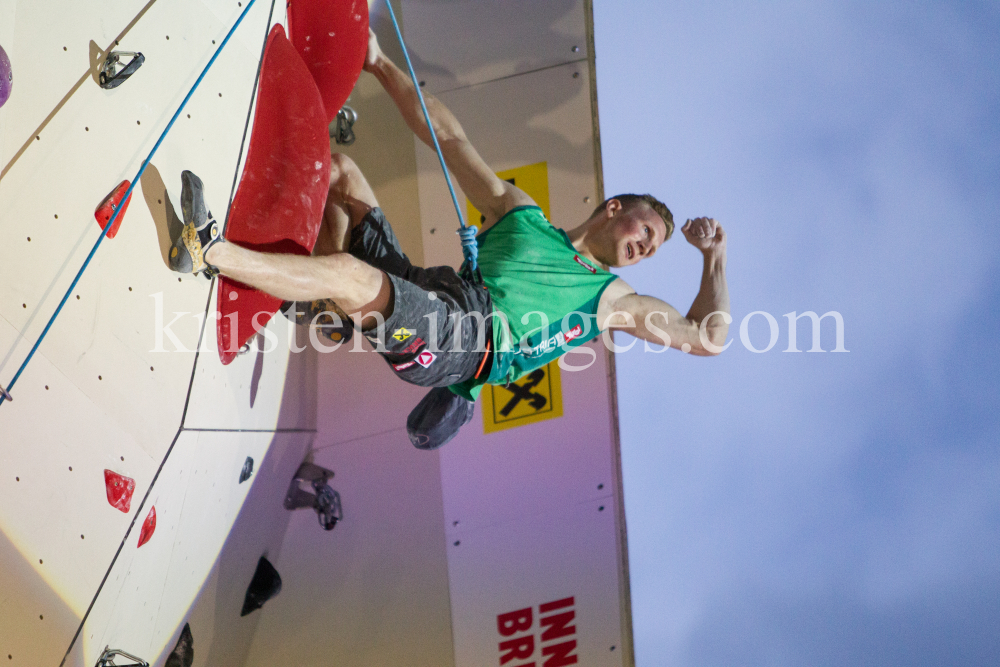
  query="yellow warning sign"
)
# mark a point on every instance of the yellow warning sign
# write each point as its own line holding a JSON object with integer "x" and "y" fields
{"x": 532, "y": 178}
{"x": 535, "y": 397}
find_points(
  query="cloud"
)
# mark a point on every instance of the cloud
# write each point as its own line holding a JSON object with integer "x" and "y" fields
{"x": 756, "y": 627}
{"x": 813, "y": 508}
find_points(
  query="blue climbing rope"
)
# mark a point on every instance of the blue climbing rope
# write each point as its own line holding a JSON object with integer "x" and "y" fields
{"x": 128, "y": 193}
{"x": 466, "y": 233}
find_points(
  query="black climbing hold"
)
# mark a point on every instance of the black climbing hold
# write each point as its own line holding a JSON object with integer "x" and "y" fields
{"x": 183, "y": 653}
{"x": 247, "y": 470}
{"x": 265, "y": 585}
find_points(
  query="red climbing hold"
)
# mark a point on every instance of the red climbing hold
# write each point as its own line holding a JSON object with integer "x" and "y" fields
{"x": 119, "y": 488}
{"x": 107, "y": 208}
{"x": 148, "y": 526}
{"x": 332, "y": 38}
{"x": 279, "y": 205}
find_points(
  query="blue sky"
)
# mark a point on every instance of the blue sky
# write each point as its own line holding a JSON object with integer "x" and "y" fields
{"x": 815, "y": 508}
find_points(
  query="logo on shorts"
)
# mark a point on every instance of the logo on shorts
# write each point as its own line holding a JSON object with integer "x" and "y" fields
{"x": 403, "y": 333}
{"x": 403, "y": 366}
{"x": 425, "y": 358}
{"x": 552, "y": 343}
{"x": 414, "y": 346}
{"x": 584, "y": 264}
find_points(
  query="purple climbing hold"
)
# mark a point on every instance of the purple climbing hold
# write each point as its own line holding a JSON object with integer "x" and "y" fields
{"x": 6, "y": 77}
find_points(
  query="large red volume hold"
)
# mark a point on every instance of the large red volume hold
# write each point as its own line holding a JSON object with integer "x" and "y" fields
{"x": 332, "y": 38}
{"x": 119, "y": 489}
{"x": 148, "y": 526}
{"x": 279, "y": 204}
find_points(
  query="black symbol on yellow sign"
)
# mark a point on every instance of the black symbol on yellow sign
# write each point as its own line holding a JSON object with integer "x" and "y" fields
{"x": 535, "y": 397}
{"x": 522, "y": 392}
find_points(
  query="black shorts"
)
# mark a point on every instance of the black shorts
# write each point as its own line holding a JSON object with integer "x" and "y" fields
{"x": 439, "y": 327}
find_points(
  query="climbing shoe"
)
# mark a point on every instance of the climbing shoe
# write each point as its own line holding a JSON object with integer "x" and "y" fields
{"x": 321, "y": 314}
{"x": 199, "y": 233}
{"x": 437, "y": 418}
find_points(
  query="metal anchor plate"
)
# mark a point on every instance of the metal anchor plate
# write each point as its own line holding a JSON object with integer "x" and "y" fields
{"x": 107, "y": 659}
{"x": 324, "y": 499}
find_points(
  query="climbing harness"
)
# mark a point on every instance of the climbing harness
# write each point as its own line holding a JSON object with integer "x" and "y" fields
{"x": 466, "y": 233}
{"x": 111, "y": 223}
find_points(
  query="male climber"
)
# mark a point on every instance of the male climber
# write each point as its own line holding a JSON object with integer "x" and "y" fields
{"x": 542, "y": 292}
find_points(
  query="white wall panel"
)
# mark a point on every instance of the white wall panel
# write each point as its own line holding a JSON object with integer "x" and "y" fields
{"x": 197, "y": 497}
{"x": 35, "y": 623}
{"x": 527, "y": 563}
{"x": 374, "y": 591}
{"x": 534, "y": 469}
{"x": 124, "y": 614}
{"x": 222, "y": 637}
{"x": 266, "y": 388}
{"x": 58, "y": 525}
{"x": 104, "y": 338}
{"x": 457, "y": 44}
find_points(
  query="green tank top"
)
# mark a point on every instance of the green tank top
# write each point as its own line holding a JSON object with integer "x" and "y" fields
{"x": 542, "y": 287}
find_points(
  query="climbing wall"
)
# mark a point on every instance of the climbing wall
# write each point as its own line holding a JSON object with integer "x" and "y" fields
{"x": 119, "y": 390}
{"x": 505, "y": 546}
